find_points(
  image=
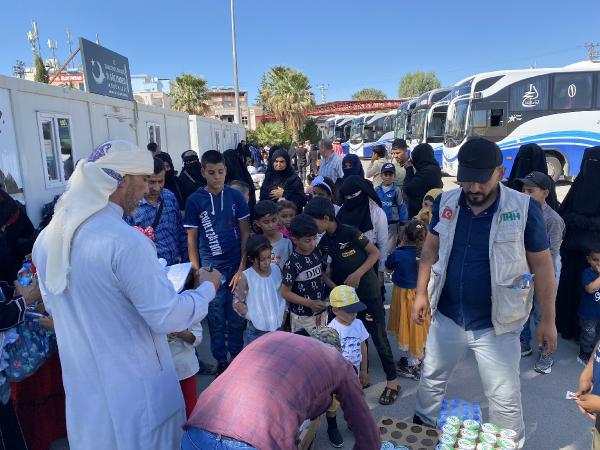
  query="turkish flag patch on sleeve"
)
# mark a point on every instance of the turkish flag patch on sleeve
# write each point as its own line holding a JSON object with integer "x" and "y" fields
{"x": 447, "y": 214}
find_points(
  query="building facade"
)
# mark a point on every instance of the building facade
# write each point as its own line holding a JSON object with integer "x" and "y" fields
{"x": 222, "y": 107}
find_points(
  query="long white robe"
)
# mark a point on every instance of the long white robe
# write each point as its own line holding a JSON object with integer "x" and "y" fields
{"x": 111, "y": 323}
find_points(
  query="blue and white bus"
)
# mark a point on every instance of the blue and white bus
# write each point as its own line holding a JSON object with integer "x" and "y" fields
{"x": 366, "y": 131}
{"x": 337, "y": 128}
{"x": 382, "y": 128}
{"x": 558, "y": 109}
{"x": 427, "y": 126}
{"x": 403, "y": 119}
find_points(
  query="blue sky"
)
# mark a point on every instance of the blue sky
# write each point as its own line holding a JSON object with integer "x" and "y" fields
{"x": 347, "y": 45}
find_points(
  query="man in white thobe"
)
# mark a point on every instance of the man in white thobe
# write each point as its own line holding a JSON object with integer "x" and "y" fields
{"x": 113, "y": 306}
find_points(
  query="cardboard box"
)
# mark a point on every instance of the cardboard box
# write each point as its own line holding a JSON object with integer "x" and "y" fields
{"x": 308, "y": 434}
{"x": 413, "y": 436}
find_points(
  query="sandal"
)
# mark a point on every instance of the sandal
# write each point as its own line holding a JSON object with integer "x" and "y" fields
{"x": 389, "y": 396}
{"x": 367, "y": 385}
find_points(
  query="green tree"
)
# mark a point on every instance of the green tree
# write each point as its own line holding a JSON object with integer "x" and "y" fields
{"x": 270, "y": 133}
{"x": 41, "y": 73}
{"x": 310, "y": 132}
{"x": 369, "y": 94}
{"x": 190, "y": 94}
{"x": 286, "y": 92}
{"x": 414, "y": 84}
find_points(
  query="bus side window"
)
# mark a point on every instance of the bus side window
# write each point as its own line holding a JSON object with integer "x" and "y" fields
{"x": 496, "y": 118}
{"x": 479, "y": 118}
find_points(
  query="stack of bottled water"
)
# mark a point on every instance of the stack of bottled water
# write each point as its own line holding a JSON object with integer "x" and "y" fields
{"x": 458, "y": 408}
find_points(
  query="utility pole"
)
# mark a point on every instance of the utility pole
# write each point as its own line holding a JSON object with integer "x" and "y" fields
{"x": 323, "y": 89}
{"x": 593, "y": 52}
{"x": 238, "y": 117}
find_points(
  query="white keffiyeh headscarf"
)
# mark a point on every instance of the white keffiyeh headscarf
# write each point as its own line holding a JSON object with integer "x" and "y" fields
{"x": 90, "y": 186}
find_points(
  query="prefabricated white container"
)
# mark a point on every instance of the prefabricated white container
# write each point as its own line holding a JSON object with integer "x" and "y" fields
{"x": 212, "y": 134}
{"x": 38, "y": 122}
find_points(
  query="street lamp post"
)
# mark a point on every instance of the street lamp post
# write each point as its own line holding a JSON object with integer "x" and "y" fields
{"x": 235, "y": 69}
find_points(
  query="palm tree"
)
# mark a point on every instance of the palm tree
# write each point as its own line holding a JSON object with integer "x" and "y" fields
{"x": 287, "y": 93}
{"x": 190, "y": 94}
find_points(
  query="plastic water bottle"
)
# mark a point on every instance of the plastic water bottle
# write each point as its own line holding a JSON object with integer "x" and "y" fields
{"x": 25, "y": 275}
{"x": 523, "y": 281}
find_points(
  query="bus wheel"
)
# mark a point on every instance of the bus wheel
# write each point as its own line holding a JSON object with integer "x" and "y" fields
{"x": 555, "y": 168}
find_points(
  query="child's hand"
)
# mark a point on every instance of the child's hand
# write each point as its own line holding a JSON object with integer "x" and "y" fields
{"x": 352, "y": 280}
{"x": 585, "y": 386}
{"x": 589, "y": 403}
{"x": 318, "y": 306}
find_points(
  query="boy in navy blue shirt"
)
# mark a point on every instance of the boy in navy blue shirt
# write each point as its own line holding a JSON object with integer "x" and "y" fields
{"x": 220, "y": 216}
{"x": 589, "y": 305}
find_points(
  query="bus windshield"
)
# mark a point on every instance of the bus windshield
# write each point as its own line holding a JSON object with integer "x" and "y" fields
{"x": 357, "y": 130}
{"x": 418, "y": 124}
{"x": 456, "y": 122}
{"x": 328, "y": 130}
{"x": 435, "y": 128}
{"x": 400, "y": 130}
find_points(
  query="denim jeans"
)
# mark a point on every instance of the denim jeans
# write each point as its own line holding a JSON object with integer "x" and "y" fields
{"x": 199, "y": 439}
{"x": 537, "y": 316}
{"x": 498, "y": 358}
{"x": 251, "y": 334}
{"x": 536, "y": 311}
{"x": 223, "y": 319}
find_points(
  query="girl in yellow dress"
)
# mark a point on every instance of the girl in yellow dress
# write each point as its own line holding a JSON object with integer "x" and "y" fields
{"x": 404, "y": 264}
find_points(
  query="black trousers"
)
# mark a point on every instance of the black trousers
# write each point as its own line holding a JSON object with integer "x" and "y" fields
{"x": 374, "y": 319}
{"x": 11, "y": 436}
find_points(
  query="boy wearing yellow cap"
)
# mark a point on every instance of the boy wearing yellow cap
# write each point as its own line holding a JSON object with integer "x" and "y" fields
{"x": 353, "y": 334}
{"x": 353, "y": 339}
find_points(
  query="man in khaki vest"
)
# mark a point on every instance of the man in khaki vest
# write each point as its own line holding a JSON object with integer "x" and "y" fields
{"x": 475, "y": 276}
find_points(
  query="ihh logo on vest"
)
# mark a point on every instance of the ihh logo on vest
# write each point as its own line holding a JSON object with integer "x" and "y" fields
{"x": 505, "y": 217}
{"x": 106, "y": 72}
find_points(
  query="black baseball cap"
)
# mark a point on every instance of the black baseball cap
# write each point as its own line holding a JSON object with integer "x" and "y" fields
{"x": 477, "y": 160}
{"x": 388, "y": 167}
{"x": 537, "y": 179}
{"x": 399, "y": 143}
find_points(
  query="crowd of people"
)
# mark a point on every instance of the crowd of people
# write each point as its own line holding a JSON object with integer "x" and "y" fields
{"x": 291, "y": 282}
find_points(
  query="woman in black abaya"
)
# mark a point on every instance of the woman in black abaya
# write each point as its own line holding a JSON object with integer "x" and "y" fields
{"x": 237, "y": 170}
{"x": 282, "y": 182}
{"x": 581, "y": 213}
{"x": 529, "y": 158}
{"x": 417, "y": 183}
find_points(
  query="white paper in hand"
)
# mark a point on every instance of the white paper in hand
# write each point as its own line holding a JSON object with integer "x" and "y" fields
{"x": 178, "y": 275}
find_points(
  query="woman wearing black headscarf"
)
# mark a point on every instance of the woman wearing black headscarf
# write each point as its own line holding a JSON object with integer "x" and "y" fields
{"x": 531, "y": 157}
{"x": 237, "y": 170}
{"x": 351, "y": 165}
{"x": 190, "y": 178}
{"x": 422, "y": 174}
{"x": 361, "y": 208}
{"x": 281, "y": 181}
{"x": 581, "y": 213}
{"x": 171, "y": 180}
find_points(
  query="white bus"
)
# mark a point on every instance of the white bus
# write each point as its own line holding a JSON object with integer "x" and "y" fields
{"x": 427, "y": 123}
{"x": 338, "y": 128}
{"x": 558, "y": 109}
{"x": 367, "y": 131}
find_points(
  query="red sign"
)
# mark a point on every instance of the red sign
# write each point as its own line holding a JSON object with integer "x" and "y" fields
{"x": 447, "y": 214}
{"x": 65, "y": 78}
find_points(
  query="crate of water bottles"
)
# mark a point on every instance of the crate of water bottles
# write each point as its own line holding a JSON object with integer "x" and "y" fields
{"x": 473, "y": 435}
{"x": 458, "y": 408}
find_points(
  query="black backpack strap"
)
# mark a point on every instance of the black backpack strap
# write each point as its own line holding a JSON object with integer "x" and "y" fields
{"x": 158, "y": 214}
